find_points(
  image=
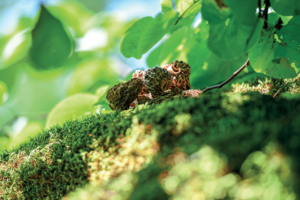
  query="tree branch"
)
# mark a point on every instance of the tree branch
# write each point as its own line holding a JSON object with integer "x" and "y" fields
{"x": 228, "y": 80}
{"x": 259, "y": 7}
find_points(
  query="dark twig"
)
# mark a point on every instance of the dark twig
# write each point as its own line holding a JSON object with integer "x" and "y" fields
{"x": 228, "y": 80}
{"x": 265, "y": 13}
{"x": 259, "y": 7}
{"x": 281, "y": 88}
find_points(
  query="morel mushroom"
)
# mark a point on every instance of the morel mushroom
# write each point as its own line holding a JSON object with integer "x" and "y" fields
{"x": 157, "y": 80}
{"x": 180, "y": 72}
{"x": 122, "y": 95}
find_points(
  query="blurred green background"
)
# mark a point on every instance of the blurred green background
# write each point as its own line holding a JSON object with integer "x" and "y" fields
{"x": 54, "y": 60}
{"x": 58, "y": 57}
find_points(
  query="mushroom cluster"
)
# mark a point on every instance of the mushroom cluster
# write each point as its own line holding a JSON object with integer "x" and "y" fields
{"x": 153, "y": 85}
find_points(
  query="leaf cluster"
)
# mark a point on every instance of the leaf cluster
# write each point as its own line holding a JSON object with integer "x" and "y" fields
{"x": 229, "y": 32}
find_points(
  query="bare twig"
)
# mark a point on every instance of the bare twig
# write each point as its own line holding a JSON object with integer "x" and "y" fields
{"x": 259, "y": 7}
{"x": 265, "y": 13}
{"x": 281, "y": 88}
{"x": 228, "y": 80}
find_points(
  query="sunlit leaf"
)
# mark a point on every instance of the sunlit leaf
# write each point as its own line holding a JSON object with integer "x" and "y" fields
{"x": 197, "y": 56}
{"x": 262, "y": 58}
{"x": 188, "y": 8}
{"x": 70, "y": 108}
{"x": 166, "y": 6}
{"x": 173, "y": 46}
{"x": 202, "y": 31}
{"x": 154, "y": 32}
{"x": 153, "y": 58}
{"x": 51, "y": 44}
{"x": 286, "y": 7}
{"x": 130, "y": 40}
{"x": 144, "y": 34}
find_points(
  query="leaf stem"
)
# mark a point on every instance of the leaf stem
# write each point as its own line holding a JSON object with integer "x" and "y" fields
{"x": 228, "y": 80}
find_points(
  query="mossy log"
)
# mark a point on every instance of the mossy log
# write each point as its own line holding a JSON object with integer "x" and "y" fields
{"x": 92, "y": 150}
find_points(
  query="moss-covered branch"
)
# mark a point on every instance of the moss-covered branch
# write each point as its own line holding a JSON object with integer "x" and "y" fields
{"x": 141, "y": 148}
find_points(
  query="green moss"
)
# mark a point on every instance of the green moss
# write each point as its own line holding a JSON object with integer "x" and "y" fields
{"x": 57, "y": 161}
{"x": 53, "y": 163}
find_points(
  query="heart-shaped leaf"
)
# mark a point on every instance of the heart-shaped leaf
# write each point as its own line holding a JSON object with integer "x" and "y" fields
{"x": 51, "y": 44}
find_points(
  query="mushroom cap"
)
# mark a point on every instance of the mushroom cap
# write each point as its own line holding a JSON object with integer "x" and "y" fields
{"x": 121, "y": 95}
{"x": 157, "y": 80}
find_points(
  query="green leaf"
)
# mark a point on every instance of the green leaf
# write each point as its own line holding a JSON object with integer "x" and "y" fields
{"x": 290, "y": 36}
{"x": 286, "y": 7}
{"x": 173, "y": 46}
{"x": 72, "y": 107}
{"x": 243, "y": 11}
{"x": 166, "y": 6}
{"x": 154, "y": 32}
{"x": 202, "y": 31}
{"x": 263, "y": 60}
{"x": 153, "y": 58}
{"x": 188, "y": 8}
{"x": 234, "y": 30}
{"x": 144, "y": 34}
{"x": 130, "y": 40}
{"x": 211, "y": 70}
{"x": 51, "y": 44}
{"x": 197, "y": 55}
{"x": 212, "y": 13}
{"x": 280, "y": 51}
{"x": 273, "y": 18}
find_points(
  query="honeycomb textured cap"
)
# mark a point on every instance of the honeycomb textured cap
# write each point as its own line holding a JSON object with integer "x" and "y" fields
{"x": 180, "y": 72}
{"x": 121, "y": 95}
{"x": 157, "y": 80}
